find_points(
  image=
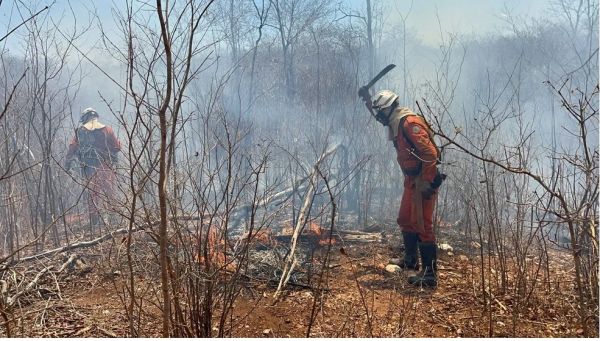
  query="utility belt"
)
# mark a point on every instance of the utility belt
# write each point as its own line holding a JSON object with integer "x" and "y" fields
{"x": 92, "y": 155}
{"x": 414, "y": 172}
{"x": 437, "y": 180}
{"x": 91, "y": 160}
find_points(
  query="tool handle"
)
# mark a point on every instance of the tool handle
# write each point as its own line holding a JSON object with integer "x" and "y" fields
{"x": 363, "y": 93}
{"x": 417, "y": 204}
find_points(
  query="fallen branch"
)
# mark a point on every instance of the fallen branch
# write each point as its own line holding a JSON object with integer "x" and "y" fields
{"x": 96, "y": 241}
{"x": 238, "y": 213}
{"x": 106, "y": 332}
{"x": 82, "y": 331}
{"x": 274, "y": 281}
{"x": 358, "y": 233}
{"x": 70, "y": 247}
{"x": 496, "y": 300}
{"x": 290, "y": 259}
{"x": 70, "y": 262}
{"x": 357, "y": 236}
{"x": 4, "y": 286}
{"x": 12, "y": 300}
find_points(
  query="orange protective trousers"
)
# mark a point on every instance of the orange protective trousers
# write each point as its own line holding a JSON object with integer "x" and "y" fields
{"x": 406, "y": 216}
{"x": 100, "y": 188}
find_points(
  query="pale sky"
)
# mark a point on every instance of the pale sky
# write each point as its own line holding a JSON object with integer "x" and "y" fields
{"x": 456, "y": 16}
{"x": 462, "y": 17}
{"x": 468, "y": 16}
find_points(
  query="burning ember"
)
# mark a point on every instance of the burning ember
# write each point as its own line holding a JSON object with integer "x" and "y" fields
{"x": 322, "y": 234}
{"x": 215, "y": 246}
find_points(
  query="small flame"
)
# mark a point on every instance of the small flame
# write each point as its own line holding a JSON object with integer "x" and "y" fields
{"x": 315, "y": 229}
{"x": 325, "y": 241}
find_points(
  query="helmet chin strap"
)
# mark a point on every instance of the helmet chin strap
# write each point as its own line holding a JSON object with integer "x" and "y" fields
{"x": 382, "y": 118}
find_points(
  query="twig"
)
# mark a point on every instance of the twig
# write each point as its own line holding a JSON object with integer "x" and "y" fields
{"x": 290, "y": 261}
{"x": 69, "y": 261}
{"x": 69, "y": 247}
{"x": 23, "y": 23}
{"x": 496, "y": 300}
{"x": 360, "y": 292}
{"x": 14, "y": 89}
{"x": 106, "y": 332}
{"x": 81, "y": 331}
{"x": 4, "y": 286}
{"x": 11, "y": 300}
{"x": 274, "y": 281}
{"x": 325, "y": 268}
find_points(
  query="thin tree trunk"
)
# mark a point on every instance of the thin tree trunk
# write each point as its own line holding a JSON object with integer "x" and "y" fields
{"x": 162, "y": 178}
{"x": 370, "y": 39}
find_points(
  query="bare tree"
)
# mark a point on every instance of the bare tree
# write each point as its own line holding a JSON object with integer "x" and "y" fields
{"x": 291, "y": 20}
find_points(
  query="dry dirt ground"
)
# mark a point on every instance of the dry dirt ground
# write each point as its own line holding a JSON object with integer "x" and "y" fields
{"x": 363, "y": 300}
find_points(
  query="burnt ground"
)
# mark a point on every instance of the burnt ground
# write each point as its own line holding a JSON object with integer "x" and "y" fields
{"x": 362, "y": 300}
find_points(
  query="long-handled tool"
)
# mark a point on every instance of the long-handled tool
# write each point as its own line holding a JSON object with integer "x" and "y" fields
{"x": 363, "y": 92}
{"x": 417, "y": 205}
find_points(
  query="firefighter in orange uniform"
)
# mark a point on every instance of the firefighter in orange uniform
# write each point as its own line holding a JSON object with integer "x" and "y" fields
{"x": 417, "y": 156}
{"x": 94, "y": 147}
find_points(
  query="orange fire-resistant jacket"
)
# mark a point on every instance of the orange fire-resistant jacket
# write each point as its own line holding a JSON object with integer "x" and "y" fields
{"x": 99, "y": 145}
{"x": 415, "y": 151}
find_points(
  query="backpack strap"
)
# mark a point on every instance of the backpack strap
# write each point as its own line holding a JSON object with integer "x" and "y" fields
{"x": 411, "y": 143}
{"x": 401, "y": 125}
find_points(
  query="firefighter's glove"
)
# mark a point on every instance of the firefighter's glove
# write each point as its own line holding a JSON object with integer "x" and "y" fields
{"x": 363, "y": 93}
{"x": 437, "y": 181}
{"x": 426, "y": 190}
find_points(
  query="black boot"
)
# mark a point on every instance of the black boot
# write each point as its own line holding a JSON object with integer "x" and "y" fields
{"x": 411, "y": 259}
{"x": 428, "y": 276}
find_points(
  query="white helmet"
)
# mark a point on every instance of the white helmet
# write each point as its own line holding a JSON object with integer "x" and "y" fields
{"x": 384, "y": 99}
{"x": 87, "y": 114}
